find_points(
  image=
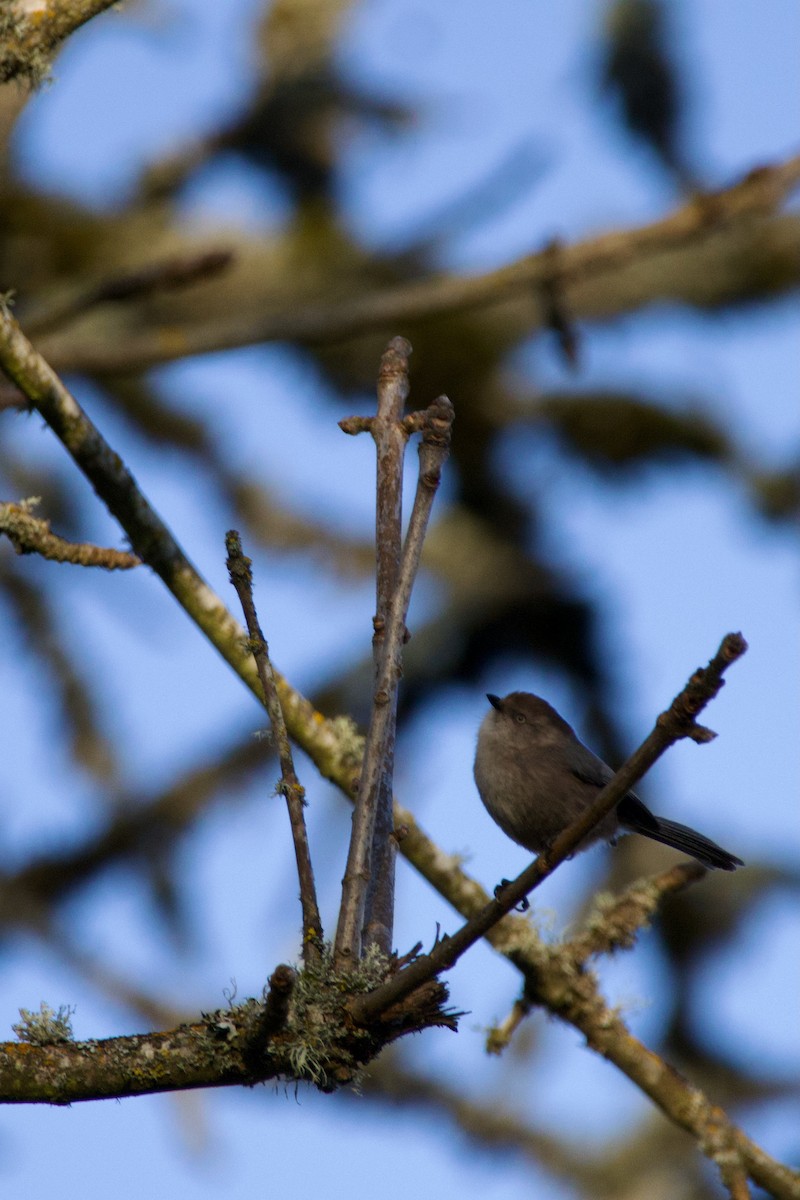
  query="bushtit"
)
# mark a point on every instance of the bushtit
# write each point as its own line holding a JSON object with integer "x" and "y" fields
{"x": 535, "y": 778}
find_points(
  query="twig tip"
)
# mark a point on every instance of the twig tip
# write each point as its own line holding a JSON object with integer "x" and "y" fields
{"x": 733, "y": 646}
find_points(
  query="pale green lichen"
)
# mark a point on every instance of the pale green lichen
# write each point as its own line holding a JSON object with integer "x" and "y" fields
{"x": 350, "y": 741}
{"x": 48, "y": 1027}
{"x": 316, "y": 1015}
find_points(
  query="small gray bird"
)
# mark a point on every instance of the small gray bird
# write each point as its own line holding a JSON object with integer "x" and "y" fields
{"x": 535, "y": 778}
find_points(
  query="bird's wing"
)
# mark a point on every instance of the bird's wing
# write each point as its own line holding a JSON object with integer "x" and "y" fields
{"x": 586, "y": 766}
{"x": 591, "y": 769}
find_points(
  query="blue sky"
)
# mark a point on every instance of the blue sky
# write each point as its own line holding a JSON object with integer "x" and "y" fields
{"x": 141, "y": 81}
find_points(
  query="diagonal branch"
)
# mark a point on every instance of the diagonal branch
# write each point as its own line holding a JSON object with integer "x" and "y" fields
{"x": 332, "y": 744}
{"x": 677, "y": 722}
{"x": 241, "y": 576}
{"x": 572, "y": 996}
{"x": 611, "y": 925}
{"x": 597, "y": 276}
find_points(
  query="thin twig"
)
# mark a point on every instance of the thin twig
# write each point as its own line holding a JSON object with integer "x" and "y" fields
{"x": 389, "y": 434}
{"x": 372, "y": 816}
{"x": 734, "y": 1177}
{"x": 499, "y": 1036}
{"x": 368, "y": 885}
{"x": 436, "y": 425}
{"x": 32, "y": 535}
{"x": 555, "y": 314}
{"x": 677, "y": 722}
{"x": 241, "y": 576}
{"x": 332, "y": 744}
{"x": 574, "y": 997}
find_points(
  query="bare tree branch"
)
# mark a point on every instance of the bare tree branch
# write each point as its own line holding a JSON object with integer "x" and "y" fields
{"x": 32, "y": 535}
{"x": 677, "y": 722}
{"x": 241, "y": 576}
{"x": 435, "y": 424}
{"x": 372, "y": 822}
{"x": 611, "y": 925}
{"x": 334, "y": 747}
{"x": 301, "y": 1032}
{"x": 371, "y": 851}
{"x": 571, "y": 995}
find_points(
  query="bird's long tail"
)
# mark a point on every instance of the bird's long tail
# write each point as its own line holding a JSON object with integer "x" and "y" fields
{"x": 680, "y": 837}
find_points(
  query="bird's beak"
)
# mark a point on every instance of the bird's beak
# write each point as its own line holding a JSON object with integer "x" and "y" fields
{"x": 495, "y": 701}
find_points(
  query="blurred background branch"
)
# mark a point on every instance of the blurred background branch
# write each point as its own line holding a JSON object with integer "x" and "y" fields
{"x": 597, "y": 525}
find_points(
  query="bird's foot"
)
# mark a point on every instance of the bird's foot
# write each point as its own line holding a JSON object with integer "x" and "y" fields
{"x": 524, "y": 903}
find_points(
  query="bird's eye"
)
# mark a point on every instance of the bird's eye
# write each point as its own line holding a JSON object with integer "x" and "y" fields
{"x": 519, "y": 718}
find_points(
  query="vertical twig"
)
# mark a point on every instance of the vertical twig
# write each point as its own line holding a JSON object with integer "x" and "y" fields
{"x": 368, "y": 886}
{"x": 390, "y": 437}
{"x": 241, "y": 576}
{"x": 372, "y": 816}
{"x": 435, "y": 423}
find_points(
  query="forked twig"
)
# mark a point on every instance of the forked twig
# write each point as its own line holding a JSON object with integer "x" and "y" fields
{"x": 368, "y": 886}
{"x": 435, "y": 425}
